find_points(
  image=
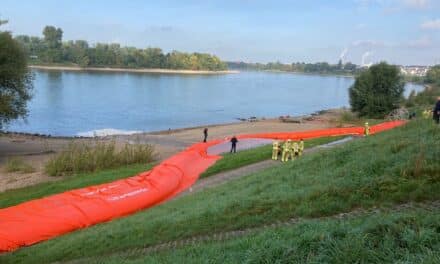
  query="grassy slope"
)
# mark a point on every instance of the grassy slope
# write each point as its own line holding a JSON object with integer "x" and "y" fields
{"x": 16, "y": 196}
{"x": 250, "y": 156}
{"x": 392, "y": 167}
{"x": 409, "y": 237}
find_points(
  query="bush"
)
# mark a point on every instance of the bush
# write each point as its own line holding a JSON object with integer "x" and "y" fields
{"x": 425, "y": 98}
{"x": 18, "y": 165}
{"x": 433, "y": 75}
{"x": 81, "y": 157}
{"x": 377, "y": 91}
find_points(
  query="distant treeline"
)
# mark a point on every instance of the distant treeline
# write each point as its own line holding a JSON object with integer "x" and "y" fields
{"x": 52, "y": 50}
{"x": 320, "y": 67}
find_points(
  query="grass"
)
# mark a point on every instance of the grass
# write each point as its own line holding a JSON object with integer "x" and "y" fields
{"x": 406, "y": 237}
{"x": 349, "y": 117}
{"x": 16, "y": 196}
{"x": 392, "y": 167}
{"x": 18, "y": 165}
{"x": 254, "y": 155}
{"x": 84, "y": 157}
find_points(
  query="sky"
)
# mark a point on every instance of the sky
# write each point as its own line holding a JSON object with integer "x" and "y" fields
{"x": 405, "y": 32}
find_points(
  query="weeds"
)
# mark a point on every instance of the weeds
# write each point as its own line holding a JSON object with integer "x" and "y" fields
{"x": 83, "y": 157}
{"x": 18, "y": 165}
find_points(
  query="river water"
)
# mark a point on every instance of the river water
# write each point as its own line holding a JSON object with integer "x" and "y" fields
{"x": 79, "y": 103}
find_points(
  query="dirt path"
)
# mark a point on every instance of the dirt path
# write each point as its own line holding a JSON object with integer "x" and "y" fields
{"x": 226, "y": 235}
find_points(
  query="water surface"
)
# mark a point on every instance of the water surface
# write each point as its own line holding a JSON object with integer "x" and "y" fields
{"x": 72, "y": 103}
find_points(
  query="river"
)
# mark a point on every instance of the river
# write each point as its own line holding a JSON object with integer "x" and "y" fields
{"x": 78, "y": 103}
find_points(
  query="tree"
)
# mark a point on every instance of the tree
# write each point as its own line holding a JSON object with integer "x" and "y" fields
{"x": 53, "y": 39}
{"x": 15, "y": 80}
{"x": 433, "y": 75}
{"x": 377, "y": 91}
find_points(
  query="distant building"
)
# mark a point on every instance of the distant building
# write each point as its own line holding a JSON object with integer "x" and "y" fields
{"x": 414, "y": 70}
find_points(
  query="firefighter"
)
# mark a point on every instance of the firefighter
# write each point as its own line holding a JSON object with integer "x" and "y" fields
{"x": 427, "y": 113}
{"x": 294, "y": 150}
{"x": 367, "y": 129}
{"x": 275, "y": 150}
{"x": 301, "y": 147}
{"x": 286, "y": 151}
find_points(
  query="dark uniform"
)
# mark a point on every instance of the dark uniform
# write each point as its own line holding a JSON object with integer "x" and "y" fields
{"x": 436, "y": 112}
{"x": 234, "y": 141}
{"x": 205, "y": 133}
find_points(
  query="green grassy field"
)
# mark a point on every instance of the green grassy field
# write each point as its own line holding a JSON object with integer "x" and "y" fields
{"x": 254, "y": 155}
{"x": 389, "y": 168}
{"x": 408, "y": 237}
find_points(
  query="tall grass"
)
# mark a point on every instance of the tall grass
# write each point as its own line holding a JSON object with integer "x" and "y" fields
{"x": 18, "y": 165}
{"x": 82, "y": 157}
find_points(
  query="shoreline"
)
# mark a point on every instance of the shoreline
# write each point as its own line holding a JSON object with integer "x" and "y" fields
{"x": 163, "y": 132}
{"x": 131, "y": 70}
{"x": 305, "y": 73}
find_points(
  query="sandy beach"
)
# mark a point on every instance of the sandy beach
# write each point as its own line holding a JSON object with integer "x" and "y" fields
{"x": 143, "y": 70}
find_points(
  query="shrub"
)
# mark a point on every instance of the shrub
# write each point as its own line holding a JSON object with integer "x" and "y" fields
{"x": 83, "y": 157}
{"x": 433, "y": 75}
{"x": 377, "y": 91}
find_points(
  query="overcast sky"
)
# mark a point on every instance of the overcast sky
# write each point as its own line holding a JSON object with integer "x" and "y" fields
{"x": 398, "y": 31}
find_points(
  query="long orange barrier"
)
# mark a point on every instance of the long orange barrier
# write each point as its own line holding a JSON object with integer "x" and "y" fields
{"x": 41, "y": 219}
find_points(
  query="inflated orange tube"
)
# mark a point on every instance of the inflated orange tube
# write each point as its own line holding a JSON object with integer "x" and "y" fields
{"x": 41, "y": 219}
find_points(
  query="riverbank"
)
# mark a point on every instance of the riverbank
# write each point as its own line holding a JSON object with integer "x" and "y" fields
{"x": 132, "y": 70}
{"x": 345, "y": 75}
{"x": 37, "y": 150}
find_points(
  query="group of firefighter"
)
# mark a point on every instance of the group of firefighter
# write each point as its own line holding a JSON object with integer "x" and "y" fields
{"x": 288, "y": 150}
{"x": 292, "y": 149}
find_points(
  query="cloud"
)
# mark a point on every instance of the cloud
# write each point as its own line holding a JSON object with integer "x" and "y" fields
{"x": 424, "y": 42}
{"x": 368, "y": 43}
{"x": 393, "y": 6}
{"x": 361, "y": 26}
{"x": 417, "y": 3}
{"x": 160, "y": 28}
{"x": 432, "y": 24}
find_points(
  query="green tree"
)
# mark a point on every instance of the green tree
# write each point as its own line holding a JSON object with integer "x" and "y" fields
{"x": 50, "y": 49}
{"x": 377, "y": 91}
{"x": 15, "y": 79}
{"x": 433, "y": 75}
{"x": 53, "y": 40}
{"x": 53, "y": 37}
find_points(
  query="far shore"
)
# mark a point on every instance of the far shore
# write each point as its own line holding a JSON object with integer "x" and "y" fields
{"x": 142, "y": 70}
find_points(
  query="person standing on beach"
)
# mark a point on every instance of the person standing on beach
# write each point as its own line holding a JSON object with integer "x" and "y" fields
{"x": 234, "y": 141}
{"x": 205, "y": 133}
{"x": 436, "y": 111}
